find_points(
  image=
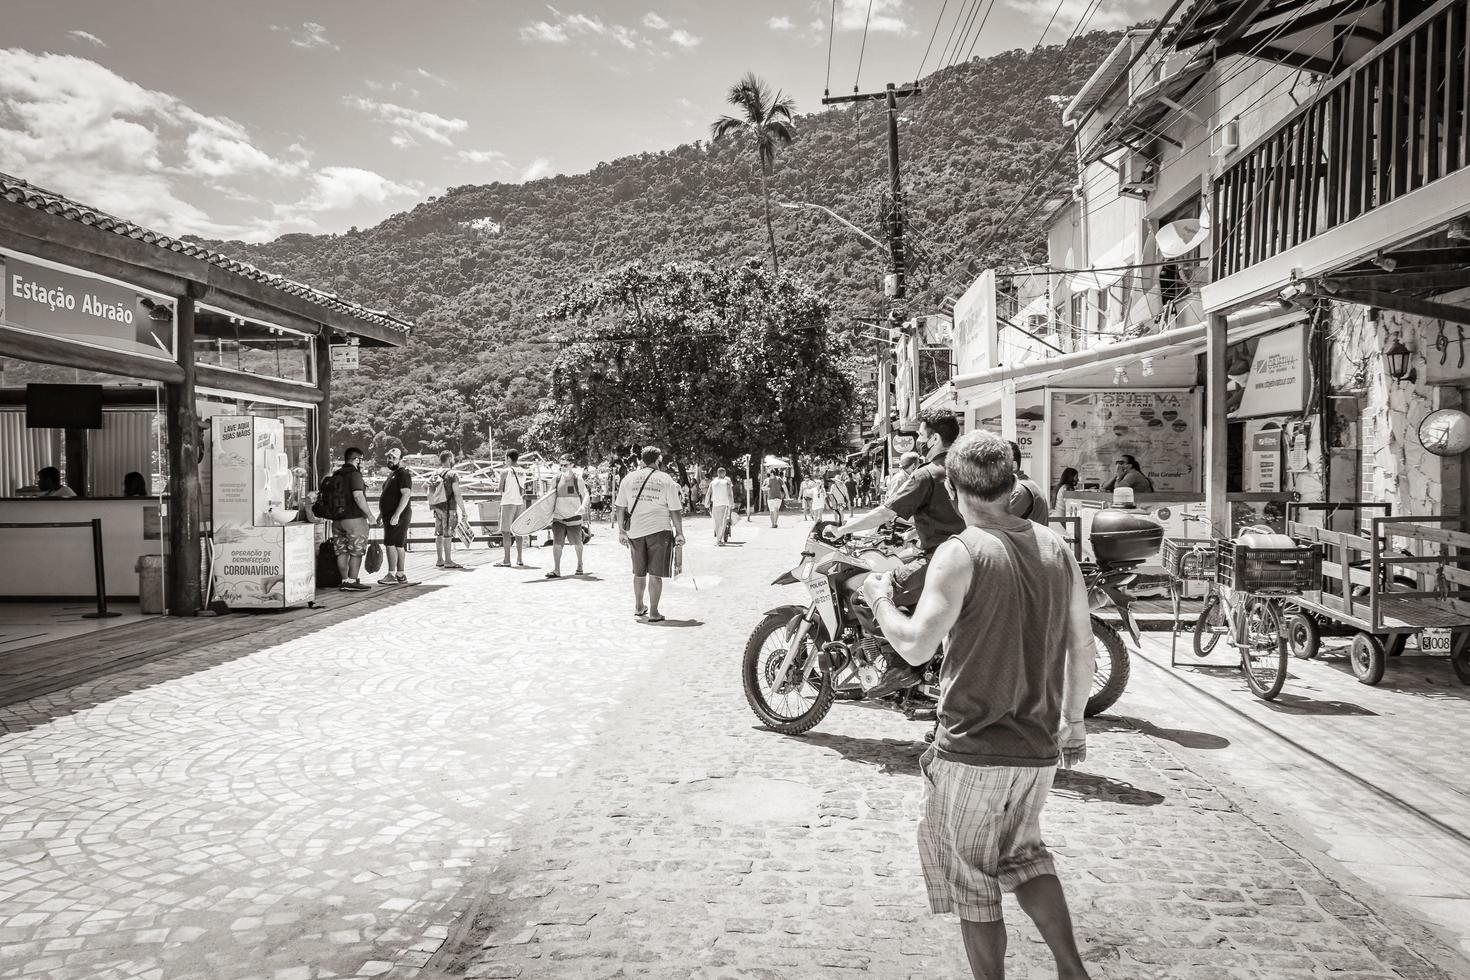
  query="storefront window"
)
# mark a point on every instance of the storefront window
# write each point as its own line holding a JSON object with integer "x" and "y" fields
{"x": 252, "y": 347}
{"x": 298, "y": 422}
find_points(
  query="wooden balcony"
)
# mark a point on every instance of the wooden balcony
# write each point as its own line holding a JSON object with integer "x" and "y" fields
{"x": 1392, "y": 125}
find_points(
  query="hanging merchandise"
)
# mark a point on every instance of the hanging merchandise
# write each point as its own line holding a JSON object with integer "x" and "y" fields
{"x": 1298, "y": 434}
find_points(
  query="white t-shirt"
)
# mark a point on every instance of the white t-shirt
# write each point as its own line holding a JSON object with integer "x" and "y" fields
{"x": 512, "y": 486}
{"x": 721, "y": 492}
{"x": 658, "y": 497}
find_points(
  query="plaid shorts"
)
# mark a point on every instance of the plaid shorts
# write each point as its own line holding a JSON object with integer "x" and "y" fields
{"x": 980, "y": 834}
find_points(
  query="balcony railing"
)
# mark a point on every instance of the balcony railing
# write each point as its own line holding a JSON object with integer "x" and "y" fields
{"x": 1393, "y": 123}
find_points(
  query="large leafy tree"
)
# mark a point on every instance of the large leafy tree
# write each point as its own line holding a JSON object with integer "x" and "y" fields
{"x": 707, "y": 363}
{"x": 766, "y": 119}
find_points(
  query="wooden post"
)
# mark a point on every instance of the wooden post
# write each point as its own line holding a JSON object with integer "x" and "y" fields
{"x": 1216, "y": 501}
{"x": 322, "y": 451}
{"x": 185, "y": 508}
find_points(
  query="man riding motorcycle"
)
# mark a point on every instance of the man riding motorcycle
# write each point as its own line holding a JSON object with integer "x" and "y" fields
{"x": 926, "y": 501}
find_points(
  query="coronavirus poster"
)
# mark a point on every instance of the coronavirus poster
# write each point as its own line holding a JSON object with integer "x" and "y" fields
{"x": 1088, "y": 430}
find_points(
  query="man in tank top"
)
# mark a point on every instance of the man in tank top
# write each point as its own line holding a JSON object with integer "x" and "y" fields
{"x": 1009, "y": 597}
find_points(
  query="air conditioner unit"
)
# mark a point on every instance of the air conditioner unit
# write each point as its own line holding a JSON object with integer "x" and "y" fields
{"x": 1225, "y": 138}
{"x": 1136, "y": 175}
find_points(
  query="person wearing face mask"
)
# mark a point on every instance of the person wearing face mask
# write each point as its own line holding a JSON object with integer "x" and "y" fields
{"x": 925, "y": 499}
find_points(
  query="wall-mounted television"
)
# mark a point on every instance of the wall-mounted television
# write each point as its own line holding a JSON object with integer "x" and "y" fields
{"x": 63, "y": 406}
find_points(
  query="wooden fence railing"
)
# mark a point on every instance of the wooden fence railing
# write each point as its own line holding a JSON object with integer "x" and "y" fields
{"x": 1391, "y": 124}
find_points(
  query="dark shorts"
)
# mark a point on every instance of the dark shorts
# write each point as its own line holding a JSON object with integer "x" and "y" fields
{"x": 396, "y": 535}
{"x": 908, "y": 582}
{"x": 653, "y": 554}
{"x": 561, "y": 533}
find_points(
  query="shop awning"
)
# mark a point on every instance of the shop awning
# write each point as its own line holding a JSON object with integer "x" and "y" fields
{"x": 941, "y": 397}
{"x": 1044, "y": 370}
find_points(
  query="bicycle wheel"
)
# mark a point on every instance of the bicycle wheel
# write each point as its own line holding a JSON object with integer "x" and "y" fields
{"x": 1209, "y": 625}
{"x": 1263, "y": 655}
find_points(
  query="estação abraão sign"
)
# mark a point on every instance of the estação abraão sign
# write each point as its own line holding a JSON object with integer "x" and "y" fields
{"x": 84, "y": 309}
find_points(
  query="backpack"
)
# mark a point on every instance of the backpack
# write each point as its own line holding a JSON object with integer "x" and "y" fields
{"x": 438, "y": 491}
{"x": 334, "y": 498}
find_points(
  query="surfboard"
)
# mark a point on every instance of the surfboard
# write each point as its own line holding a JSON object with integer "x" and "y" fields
{"x": 536, "y": 517}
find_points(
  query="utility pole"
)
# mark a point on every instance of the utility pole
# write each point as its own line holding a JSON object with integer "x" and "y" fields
{"x": 890, "y": 96}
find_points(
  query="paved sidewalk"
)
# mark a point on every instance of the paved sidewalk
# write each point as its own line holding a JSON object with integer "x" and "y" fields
{"x": 1374, "y": 777}
{"x": 708, "y": 847}
{"x": 501, "y": 775}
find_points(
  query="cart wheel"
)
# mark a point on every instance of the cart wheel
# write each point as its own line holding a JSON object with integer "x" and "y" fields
{"x": 1303, "y": 637}
{"x": 1367, "y": 658}
{"x": 1461, "y": 662}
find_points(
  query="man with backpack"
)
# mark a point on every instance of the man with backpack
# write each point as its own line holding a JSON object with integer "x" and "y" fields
{"x": 343, "y": 501}
{"x": 446, "y": 506}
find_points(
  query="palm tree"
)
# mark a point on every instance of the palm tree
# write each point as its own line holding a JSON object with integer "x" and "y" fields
{"x": 767, "y": 118}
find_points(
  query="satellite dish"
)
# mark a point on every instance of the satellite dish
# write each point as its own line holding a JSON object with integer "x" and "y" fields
{"x": 1185, "y": 235}
{"x": 1445, "y": 432}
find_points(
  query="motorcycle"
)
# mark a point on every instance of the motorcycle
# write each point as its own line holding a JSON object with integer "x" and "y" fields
{"x": 795, "y": 657}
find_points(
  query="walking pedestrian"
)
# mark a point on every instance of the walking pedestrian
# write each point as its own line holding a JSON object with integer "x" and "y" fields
{"x": 807, "y": 493}
{"x": 1009, "y": 597}
{"x": 850, "y": 479}
{"x": 447, "y": 506}
{"x": 719, "y": 498}
{"x": 395, "y": 513}
{"x": 512, "y": 503}
{"x": 568, "y": 520}
{"x": 838, "y": 500}
{"x": 349, "y": 510}
{"x": 651, "y": 526}
{"x": 775, "y": 494}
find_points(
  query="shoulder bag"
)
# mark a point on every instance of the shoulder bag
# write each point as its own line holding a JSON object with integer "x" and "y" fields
{"x": 628, "y": 514}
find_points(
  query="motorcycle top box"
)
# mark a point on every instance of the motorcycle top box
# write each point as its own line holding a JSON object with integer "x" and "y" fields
{"x": 1121, "y": 536}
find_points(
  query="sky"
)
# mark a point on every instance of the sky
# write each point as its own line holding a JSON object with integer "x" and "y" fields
{"x": 253, "y": 120}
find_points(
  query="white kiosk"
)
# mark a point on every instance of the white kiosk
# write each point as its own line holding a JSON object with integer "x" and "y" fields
{"x": 264, "y": 557}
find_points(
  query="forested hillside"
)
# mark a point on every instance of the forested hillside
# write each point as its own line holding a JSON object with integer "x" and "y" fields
{"x": 475, "y": 267}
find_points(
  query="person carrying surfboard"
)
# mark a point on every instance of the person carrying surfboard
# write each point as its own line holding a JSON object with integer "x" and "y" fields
{"x": 569, "y": 516}
{"x": 512, "y": 503}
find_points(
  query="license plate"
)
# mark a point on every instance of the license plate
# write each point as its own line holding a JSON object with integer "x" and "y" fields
{"x": 1434, "y": 641}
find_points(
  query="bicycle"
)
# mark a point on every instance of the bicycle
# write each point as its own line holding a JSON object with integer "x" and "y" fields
{"x": 1247, "y": 602}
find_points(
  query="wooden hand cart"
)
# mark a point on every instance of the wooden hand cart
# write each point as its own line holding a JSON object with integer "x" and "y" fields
{"x": 1408, "y": 576}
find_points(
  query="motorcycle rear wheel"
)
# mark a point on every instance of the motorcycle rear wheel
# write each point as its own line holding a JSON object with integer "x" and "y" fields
{"x": 1110, "y": 678}
{"x": 766, "y": 644}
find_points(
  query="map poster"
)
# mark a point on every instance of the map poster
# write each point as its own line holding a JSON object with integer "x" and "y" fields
{"x": 1159, "y": 427}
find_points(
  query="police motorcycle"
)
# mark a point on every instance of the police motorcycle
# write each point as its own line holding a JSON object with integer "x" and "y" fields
{"x": 798, "y": 657}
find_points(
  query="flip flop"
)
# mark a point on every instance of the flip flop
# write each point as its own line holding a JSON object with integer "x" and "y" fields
{"x": 640, "y": 613}
{"x": 657, "y": 619}
{"x": 553, "y": 575}
{"x": 499, "y": 564}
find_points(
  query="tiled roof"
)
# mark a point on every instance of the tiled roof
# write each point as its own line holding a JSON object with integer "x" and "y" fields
{"x": 17, "y": 191}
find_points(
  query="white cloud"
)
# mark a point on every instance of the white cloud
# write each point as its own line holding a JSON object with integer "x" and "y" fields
{"x": 780, "y": 24}
{"x": 310, "y": 36}
{"x": 563, "y": 27}
{"x": 1103, "y": 18}
{"x": 887, "y": 17}
{"x": 481, "y": 156}
{"x": 338, "y": 188}
{"x": 409, "y": 125}
{"x": 87, "y": 36}
{"x": 538, "y": 168}
{"x": 436, "y": 79}
{"x": 81, "y": 129}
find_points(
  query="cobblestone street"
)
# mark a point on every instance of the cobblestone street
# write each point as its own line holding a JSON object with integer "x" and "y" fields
{"x": 496, "y": 775}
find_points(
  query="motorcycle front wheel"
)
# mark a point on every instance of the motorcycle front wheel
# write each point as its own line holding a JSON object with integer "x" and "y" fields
{"x": 1110, "y": 676}
{"x": 795, "y": 711}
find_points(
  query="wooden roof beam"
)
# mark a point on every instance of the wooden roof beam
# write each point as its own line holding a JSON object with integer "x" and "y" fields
{"x": 1306, "y": 21}
{"x": 1397, "y": 302}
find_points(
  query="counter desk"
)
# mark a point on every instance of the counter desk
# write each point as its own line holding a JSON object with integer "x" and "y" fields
{"x": 56, "y": 562}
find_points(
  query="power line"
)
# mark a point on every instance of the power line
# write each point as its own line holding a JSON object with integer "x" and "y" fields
{"x": 863, "y": 50}
{"x": 831, "y": 29}
{"x": 933, "y": 34}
